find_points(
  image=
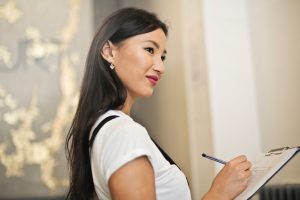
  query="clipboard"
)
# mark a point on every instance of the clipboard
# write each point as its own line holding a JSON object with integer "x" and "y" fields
{"x": 265, "y": 166}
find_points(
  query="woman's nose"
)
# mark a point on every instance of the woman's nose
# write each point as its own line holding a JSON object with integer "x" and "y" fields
{"x": 159, "y": 67}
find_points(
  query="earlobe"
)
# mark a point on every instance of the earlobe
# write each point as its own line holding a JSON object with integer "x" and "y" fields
{"x": 107, "y": 52}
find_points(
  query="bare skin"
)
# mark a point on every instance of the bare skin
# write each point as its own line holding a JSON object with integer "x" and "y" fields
{"x": 133, "y": 181}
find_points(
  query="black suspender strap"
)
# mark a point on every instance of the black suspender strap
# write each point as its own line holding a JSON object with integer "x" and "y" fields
{"x": 167, "y": 157}
{"x": 96, "y": 130}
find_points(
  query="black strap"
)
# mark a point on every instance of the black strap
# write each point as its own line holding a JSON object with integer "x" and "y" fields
{"x": 96, "y": 130}
{"x": 167, "y": 157}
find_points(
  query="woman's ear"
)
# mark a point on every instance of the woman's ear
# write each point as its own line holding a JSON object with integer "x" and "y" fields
{"x": 107, "y": 51}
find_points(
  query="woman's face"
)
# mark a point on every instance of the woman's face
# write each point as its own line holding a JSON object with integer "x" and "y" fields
{"x": 139, "y": 62}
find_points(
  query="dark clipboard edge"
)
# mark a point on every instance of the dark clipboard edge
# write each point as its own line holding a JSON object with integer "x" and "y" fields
{"x": 275, "y": 173}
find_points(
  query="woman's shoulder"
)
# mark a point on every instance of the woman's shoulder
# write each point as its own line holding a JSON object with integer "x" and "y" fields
{"x": 121, "y": 132}
{"x": 122, "y": 123}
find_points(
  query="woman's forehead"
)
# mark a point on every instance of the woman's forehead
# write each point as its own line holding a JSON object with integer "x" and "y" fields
{"x": 156, "y": 38}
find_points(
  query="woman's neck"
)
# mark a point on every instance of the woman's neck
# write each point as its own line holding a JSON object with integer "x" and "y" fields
{"x": 126, "y": 110}
{"x": 128, "y": 105}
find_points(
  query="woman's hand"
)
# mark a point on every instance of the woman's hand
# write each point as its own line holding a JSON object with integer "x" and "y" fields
{"x": 231, "y": 180}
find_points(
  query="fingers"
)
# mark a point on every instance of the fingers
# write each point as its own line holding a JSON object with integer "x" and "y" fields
{"x": 238, "y": 159}
{"x": 233, "y": 178}
{"x": 241, "y": 162}
{"x": 248, "y": 173}
{"x": 241, "y": 167}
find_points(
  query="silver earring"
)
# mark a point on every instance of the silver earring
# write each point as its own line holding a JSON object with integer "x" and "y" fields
{"x": 112, "y": 66}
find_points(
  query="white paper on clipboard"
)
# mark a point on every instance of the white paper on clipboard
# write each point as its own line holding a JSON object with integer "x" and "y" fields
{"x": 264, "y": 167}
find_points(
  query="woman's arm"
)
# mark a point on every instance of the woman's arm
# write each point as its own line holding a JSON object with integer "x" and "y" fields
{"x": 231, "y": 180}
{"x": 133, "y": 181}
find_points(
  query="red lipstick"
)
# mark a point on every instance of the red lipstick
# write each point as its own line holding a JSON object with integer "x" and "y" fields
{"x": 153, "y": 79}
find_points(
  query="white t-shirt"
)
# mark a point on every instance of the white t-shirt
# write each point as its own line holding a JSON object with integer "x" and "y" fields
{"x": 122, "y": 140}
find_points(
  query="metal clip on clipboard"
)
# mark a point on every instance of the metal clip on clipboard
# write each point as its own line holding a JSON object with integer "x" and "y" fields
{"x": 278, "y": 151}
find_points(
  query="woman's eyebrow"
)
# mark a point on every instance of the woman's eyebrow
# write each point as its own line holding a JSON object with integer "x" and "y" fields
{"x": 156, "y": 45}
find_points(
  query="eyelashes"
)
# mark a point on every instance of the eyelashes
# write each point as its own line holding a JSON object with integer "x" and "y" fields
{"x": 151, "y": 51}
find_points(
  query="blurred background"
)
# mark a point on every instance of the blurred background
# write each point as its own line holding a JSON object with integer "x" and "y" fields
{"x": 232, "y": 86}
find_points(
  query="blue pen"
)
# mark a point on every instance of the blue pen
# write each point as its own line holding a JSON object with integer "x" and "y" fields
{"x": 214, "y": 159}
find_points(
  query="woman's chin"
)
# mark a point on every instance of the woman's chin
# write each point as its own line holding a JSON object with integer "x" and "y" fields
{"x": 147, "y": 94}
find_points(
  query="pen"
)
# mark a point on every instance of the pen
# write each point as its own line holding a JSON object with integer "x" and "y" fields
{"x": 214, "y": 159}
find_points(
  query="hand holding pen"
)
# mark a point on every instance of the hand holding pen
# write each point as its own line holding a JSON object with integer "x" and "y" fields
{"x": 231, "y": 180}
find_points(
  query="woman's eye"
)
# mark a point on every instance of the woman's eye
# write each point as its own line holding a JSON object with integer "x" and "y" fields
{"x": 163, "y": 58}
{"x": 150, "y": 50}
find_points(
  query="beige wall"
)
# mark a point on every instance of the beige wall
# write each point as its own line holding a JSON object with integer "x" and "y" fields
{"x": 197, "y": 95}
{"x": 275, "y": 35}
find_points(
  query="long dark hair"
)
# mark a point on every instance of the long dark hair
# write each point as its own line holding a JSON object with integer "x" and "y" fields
{"x": 101, "y": 90}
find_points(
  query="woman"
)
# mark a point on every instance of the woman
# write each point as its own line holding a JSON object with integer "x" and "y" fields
{"x": 125, "y": 61}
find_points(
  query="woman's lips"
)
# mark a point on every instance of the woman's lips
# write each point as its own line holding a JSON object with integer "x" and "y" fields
{"x": 153, "y": 79}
